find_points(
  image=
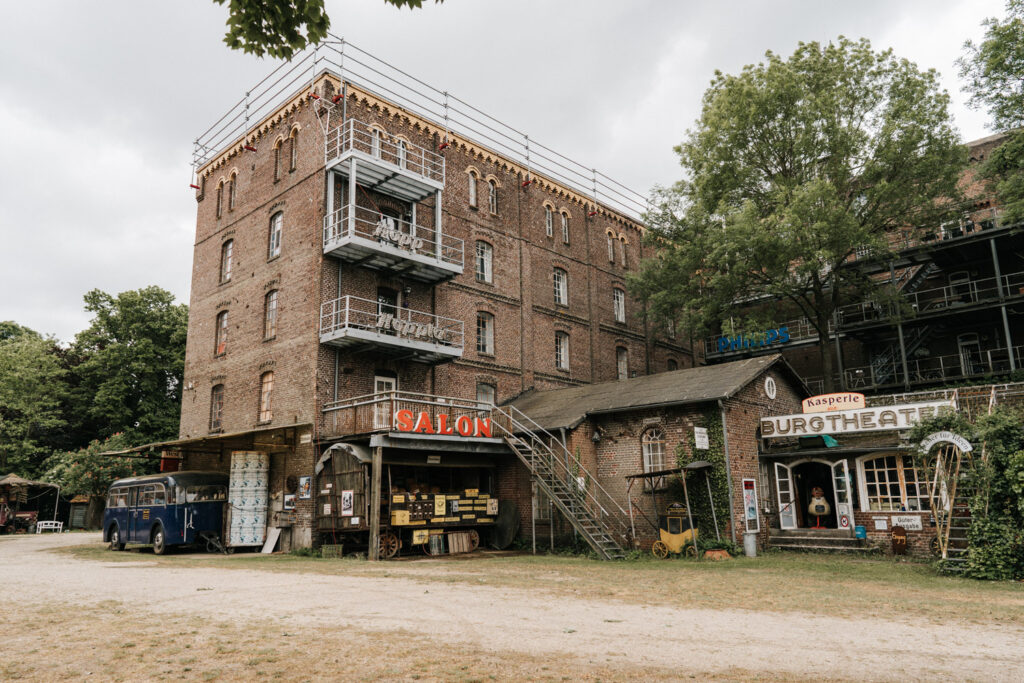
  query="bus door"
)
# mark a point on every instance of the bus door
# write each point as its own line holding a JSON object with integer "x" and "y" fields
{"x": 134, "y": 512}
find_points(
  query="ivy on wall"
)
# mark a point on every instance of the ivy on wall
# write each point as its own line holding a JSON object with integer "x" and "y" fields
{"x": 710, "y": 419}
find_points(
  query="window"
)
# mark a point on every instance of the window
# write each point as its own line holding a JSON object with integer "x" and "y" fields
{"x": 270, "y": 315}
{"x": 117, "y": 498}
{"x": 403, "y": 153}
{"x": 565, "y": 227}
{"x": 154, "y": 494}
{"x": 232, "y": 191}
{"x": 220, "y": 199}
{"x": 216, "y": 407}
{"x": 266, "y": 391}
{"x": 492, "y": 196}
{"x": 672, "y": 365}
{"x": 549, "y": 221}
{"x": 622, "y": 249}
{"x": 561, "y": 279}
{"x": 541, "y": 505}
{"x": 274, "y": 240}
{"x": 484, "y": 262}
{"x": 472, "y": 189}
{"x": 277, "y": 160}
{"x": 619, "y": 304}
{"x": 622, "y": 362}
{"x": 561, "y": 350}
{"x": 484, "y": 333}
{"x": 221, "y": 333}
{"x": 652, "y": 444}
{"x": 486, "y": 394}
{"x": 226, "y": 250}
{"x": 892, "y": 484}
{"x": 293, "y": 150}
{"x": 375, "y": 141}
{"x": 611, "y": 248}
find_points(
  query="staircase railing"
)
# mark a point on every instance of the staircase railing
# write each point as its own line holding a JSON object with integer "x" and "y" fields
{"x": 592, "y": 511}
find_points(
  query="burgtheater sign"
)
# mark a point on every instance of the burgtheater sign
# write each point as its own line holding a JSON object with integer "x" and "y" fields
{"x": 882, "y": 418}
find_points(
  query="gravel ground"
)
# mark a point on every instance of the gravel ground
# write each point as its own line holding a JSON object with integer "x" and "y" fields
{"x": 535, "y": 624}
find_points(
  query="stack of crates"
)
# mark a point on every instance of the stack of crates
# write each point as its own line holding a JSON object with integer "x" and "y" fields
{"x": 247, "y": 498}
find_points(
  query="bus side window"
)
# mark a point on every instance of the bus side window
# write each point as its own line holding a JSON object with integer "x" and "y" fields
{"x": 147, "y": 495}
{"x": 159, "y": 495}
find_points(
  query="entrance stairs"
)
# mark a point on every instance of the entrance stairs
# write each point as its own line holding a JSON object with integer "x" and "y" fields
{"x": 819, "y": 540}
{"x": 593, "y": 513}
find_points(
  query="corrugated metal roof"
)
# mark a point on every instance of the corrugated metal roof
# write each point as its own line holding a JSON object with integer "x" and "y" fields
{"x": 566, "y": 408}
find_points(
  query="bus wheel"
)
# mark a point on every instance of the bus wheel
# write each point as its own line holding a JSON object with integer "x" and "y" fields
{"x": 159, "y": 542}
{"x": 115, "y": 539}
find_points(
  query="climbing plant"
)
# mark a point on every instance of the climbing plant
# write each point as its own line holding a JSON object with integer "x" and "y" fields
{"x": 700, "y": 506}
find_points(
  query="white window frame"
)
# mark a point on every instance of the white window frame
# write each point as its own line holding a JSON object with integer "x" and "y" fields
{"x": 619, "y": 304}
{"x": 862, "y": 484}
{"x": 611, "y": 248}
{"x": 275, "y": 234}
{"x": 266, "y": 412}
{"x": 226, "y": 257}
{"x": 484, "y": 262}
{"x": 562, "y": 350}
{"x": 488, "y": 389}
{"x": 549, "y": 221}
{"x": 403, "y": 153}
{"x": 472, "y": 189}
{"x": 560, "y": 278}
{"x": 270, "y": 308}
{"x": 653, "y": 453}
{"x": 485, "y": 332}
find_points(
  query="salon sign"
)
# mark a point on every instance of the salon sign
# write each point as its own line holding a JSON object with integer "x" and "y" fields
{"x": 882, "y": 418}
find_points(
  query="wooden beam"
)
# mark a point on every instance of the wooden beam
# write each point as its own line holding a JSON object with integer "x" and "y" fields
{"x": 376, "y": 466}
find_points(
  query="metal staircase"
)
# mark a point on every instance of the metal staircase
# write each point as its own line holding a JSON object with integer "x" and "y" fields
{"x": 591, "y": 510}
{"x": 915, "y": 279}
{"x": 883, "y": 366}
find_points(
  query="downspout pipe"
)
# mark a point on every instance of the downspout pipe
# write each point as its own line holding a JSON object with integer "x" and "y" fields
{"x": 728, "y": 473}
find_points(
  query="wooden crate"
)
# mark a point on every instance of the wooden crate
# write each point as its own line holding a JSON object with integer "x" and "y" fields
{"x": 333, "y": 551}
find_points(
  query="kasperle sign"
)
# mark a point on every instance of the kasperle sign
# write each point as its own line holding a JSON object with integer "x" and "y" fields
{"x": 882, "y": 418}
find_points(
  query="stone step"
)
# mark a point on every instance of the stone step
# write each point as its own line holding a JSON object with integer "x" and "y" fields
{"x": 818, "y": 540}
{"x": 824, "y": 548}
{"x": 807, "y": 533}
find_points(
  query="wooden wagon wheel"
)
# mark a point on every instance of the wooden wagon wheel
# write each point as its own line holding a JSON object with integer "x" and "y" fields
{"x": 388, "y": 545}
{"x": 474, "y": 540}
{"x": 690, "y": 551}
{"x": 659, "y": 550}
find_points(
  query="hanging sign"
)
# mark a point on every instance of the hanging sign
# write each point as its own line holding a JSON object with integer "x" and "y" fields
{"x": 908, "y": 522}
{"x": 421, "y": 423}
{"x": 882, "y": 418}
{"x": 824, "y": 403}
{"x": 946, "y": 437}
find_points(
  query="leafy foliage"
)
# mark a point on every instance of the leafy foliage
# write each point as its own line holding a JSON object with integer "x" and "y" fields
{"x": 128, "y": 365}
{"x": 275, "y": 27}
{"x": 700, "y": 505}
{"x": 86, "y": 472}
{"x": 794, "y": 167}
{"x": 32, "y": 384}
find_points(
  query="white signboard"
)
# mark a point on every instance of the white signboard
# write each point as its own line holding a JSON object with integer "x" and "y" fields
{"x": 946, "y": 437}
{"x": 908, "y": 522}
{"x": 881, "y": 523}
{"x": 882, "y": 418}
{"x": 700, "y": 438}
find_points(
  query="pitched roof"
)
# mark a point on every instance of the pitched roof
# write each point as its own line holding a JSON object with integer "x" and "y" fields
{"x": 566, "y": 408}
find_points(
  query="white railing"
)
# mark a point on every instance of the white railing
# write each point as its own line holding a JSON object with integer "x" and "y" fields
{"x": 405, "y": 324}
{"x": 376, "y": 412}
{"x": 385, "y": 230}
{"x": 969, "y": 363}
{"x": 355, "y": 135}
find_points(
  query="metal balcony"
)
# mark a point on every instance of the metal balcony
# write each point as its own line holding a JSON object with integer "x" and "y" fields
{"x": 384, "y": 163}
{"x": 376, "y": 412}
{"x": 371, "y": 240}
{"x": 364, "y": 325}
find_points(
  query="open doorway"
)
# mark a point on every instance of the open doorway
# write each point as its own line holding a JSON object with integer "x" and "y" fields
{"x": 807, "y": 477}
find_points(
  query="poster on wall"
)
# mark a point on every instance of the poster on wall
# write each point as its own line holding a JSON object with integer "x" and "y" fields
{"x": 347, "y": 503}
{"x": 289, "y": 501}
{"x": 305, "y": 487}
{"x": 750, "y": 518}
{"x": 700, "y": 438}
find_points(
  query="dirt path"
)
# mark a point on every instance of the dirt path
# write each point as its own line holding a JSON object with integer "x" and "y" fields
{"x": 535, "y": 624}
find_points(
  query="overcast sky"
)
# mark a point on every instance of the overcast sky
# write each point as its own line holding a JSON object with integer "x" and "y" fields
{"x": 100, "y": 102}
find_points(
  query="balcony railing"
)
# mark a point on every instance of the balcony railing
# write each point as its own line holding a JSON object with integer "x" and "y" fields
{"x": 982, "y": 219}
{"x": 352, "y": 322}
{"x": 381, "y": 242}
{"x": 376, "y": 412}
{"x": 930, "y": 370}
{"x": 951, "y": 296}
{"x": 390, "y": 165}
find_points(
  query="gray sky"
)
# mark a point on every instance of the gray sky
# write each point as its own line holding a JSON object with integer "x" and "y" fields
{"x": 100, "y": 102}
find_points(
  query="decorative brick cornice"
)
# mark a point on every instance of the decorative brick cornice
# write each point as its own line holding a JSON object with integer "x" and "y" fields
{"x": 561, "y": 315}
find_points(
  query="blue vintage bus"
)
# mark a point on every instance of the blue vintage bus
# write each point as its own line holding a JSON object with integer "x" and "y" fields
{"x": 170, "y": 509}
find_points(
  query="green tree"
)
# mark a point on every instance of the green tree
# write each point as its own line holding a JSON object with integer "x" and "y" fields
{"x": 32, "y": 385}
{"x": 994, "y": 74}
{"x": 275, "y": 27}
{"x": 127, "y": 366}
{"x": 794, "y": 167}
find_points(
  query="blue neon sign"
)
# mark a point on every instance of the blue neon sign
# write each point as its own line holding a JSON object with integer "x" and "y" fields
{"x": 753, "y": 341}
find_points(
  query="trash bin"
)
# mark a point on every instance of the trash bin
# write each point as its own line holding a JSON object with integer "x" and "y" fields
{"x": 750, "y": 543}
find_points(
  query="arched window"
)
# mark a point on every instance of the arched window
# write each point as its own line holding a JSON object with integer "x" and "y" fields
{"x": 611, "y": 247}
{"x": 562, "y": 350}
{"x": 549, "y": 221}
{"x": 274, "y": 237}
{"x": 622, "y": 249}
{"x": 652, "y": 447}
{"x": 277, "y": 159}
{"x": 484, "y": 262}
{"x": 266, "y": 393}
{"x": 486, "y": 394}
{"x": 672, "y": 365}
{"x": 565, "y": 227}
{"x": 472, "y": 188}
{"x": 403, "y": 153}
{"x": 622, "y": 362}
{"x": 376, "y": 137}
{"x": 270, "y": 315}
{"x": 293, "y": 150}
{"x": 619, "y": 304}
{"x": 484, "y": 333}
{"x": 221, "y": 333}
{"x": 216, "y": 407}
{"x": 226, "y": 257}
{"x": 561, "y": 282}
{"x": 232, "y": 191}
{"x": 492, "y": 196}
{"x": 220, "y": 199}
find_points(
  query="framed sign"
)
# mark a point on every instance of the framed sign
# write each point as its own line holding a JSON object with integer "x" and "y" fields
{"x": 305, "y": 488}
{"x": 347, "y": 503}
{"x": 289, "y": 501}
{"x": 750, "y": 516}
{"x": 700, "y": 438}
